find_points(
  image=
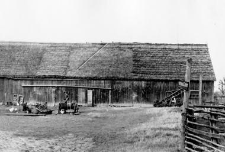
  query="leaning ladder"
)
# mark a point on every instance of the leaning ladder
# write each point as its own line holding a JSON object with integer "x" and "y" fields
{"x": 165, "y": 101}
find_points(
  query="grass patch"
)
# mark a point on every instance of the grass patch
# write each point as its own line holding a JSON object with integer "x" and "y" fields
{"x": 111, "y": 129}
{"x": 160, "y": 133}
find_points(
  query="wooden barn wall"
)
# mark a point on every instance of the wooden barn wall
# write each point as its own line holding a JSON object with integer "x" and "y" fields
{"x": 2, "y": 94}
{"x": 207, "y": 91}
{"x": 122, "y": 91}
{"x": 8, "y": 90}
{"x": 44, "y": 94}
{"x": 149, "y": 91}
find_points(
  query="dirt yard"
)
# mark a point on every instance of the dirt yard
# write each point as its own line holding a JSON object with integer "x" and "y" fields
{"x": 96, "y": 129}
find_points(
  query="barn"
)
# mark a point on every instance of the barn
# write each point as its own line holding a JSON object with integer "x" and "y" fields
{"x": 98, "y": 73}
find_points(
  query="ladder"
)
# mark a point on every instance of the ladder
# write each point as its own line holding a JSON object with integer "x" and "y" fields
{"x": 165, "y": 102}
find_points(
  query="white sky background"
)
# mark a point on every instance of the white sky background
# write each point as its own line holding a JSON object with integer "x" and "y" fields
{"x": 153, "y": 21}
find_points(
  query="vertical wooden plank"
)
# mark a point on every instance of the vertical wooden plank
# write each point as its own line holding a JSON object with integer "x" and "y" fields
{"x": 212, "y": 92}
{"x": 96, "y": 96}
{"x": 99, "y": 96}
{"x": 200, "y": 90}
{"x": 11, "y": 90}
{"x": 86, "y": 96}
{"x": 93, "y": 97}
{"x": 5, "y": 100}
{"x": 76, "y": 94}
{"x": 110, "y": 97}
{"x": 100, "y": 93}
{"x": 185, "y": 103}
{"x": 54, "y": 96}
{"x": 1, "y": 91}
{"x": 113, "y": 95}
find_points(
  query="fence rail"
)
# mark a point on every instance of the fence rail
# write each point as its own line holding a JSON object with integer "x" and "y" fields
{"x": 205, "y": 128}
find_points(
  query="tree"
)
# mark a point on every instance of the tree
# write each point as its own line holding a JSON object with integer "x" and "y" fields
{"x": 222, "y": 86}
{"x": 216, "y": 96}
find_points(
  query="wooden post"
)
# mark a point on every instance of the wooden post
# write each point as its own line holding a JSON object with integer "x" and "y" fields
{"x": 54, "y": 96}
{"x": 112, "y": 100}
{"x": 200, "y": 90}
{"x": 110, "y": 97}
{"x": 185, "y": 103}
{"x": 76, "y": 94}
{"x": 98, "y": 96}
{"x": 213, "y": 124}
{"x": 86, "y": 96}
{"x": 213, "y": 93}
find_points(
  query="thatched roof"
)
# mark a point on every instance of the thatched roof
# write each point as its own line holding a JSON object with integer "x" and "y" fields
{"x": 104, "y": 61}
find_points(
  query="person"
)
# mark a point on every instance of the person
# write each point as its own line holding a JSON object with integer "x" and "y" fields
{"x": 173, "y": 101}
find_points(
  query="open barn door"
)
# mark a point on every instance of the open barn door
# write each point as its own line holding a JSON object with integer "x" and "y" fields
{"x": 89, "y": 95}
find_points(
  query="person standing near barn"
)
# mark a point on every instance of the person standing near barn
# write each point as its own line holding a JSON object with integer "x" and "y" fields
{"x": 173, "y": 101}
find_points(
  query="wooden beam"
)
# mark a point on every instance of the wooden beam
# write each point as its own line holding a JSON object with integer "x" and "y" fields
{"x": 208, "y": 134}
{"x": 221, "y": 121}
{"x": 200, "y": 90}
{"x": 86, "y": 96}
{"x": 66, "y": 86}
{"x": 92, "y": 56}
{"x": 110, "y": 97}
{"x": 208, "y": 106}
{"x": 191, "y": 150}
{"x": 203, "y": 125}
{"x": 209, "y": 112}
{"x": 54, "y": 96}
{"x": 199, "y": 147}
{"x": 194, "y": 90}
{"x": 223, "y": 112}
{"x": 185, "y": 103}
{"x": 206, "y": 145}
{"x": 205, "y": 140}
{"x": 213, "y": 93}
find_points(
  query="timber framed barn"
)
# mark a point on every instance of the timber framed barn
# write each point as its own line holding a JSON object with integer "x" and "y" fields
{"x": 93, "y": 73}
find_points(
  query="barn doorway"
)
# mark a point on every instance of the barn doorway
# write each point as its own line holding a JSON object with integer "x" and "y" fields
{"x": 85, "y": 96}
{"x": 82, "y": 96}
{"x": 89, "y": 97}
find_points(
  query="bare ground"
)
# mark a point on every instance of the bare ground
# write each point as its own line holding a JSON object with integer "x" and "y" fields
{"x": 95, "y": 129}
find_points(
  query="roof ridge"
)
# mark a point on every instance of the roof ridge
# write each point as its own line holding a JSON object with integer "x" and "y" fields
{"x": 125, "y": 43}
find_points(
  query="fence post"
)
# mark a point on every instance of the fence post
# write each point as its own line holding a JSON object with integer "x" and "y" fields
{"x": 213, "y": 124}
{"x": 185, "y": 103}
{"x": 110, "y": 97}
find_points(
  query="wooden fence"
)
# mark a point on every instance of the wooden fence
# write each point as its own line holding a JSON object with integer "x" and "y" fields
{"x": 204, "y": 128}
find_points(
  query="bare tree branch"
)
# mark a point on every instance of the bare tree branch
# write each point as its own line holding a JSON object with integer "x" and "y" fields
{"x": 222, "y": 86}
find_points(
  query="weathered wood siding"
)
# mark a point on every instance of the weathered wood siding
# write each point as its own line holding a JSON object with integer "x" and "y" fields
{"x": 52, "y": 95}
{"x": 207, "y": 91}
{"x": 2, "y": 94}
{"x": 149, "y": 91}
{"x": 122, "y": 91}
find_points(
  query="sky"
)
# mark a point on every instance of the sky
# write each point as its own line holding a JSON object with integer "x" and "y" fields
{"x": 152, "y": 21}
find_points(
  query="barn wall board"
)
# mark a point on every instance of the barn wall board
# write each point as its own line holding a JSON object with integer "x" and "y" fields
{"x": 122, "y": 91}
